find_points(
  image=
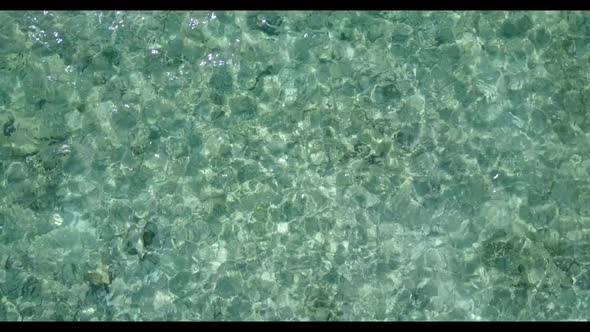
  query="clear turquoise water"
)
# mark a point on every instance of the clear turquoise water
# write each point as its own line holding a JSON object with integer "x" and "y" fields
{"x": 294, "y": 166}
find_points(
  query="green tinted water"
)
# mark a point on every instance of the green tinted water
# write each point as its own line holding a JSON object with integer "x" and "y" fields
{"x": 294, "y": 166}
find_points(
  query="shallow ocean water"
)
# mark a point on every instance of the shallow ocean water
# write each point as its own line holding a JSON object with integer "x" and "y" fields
{"x": 294, "y": 165}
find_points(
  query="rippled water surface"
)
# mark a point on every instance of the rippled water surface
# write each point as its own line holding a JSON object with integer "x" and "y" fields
{"x": 294, "y": 166}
